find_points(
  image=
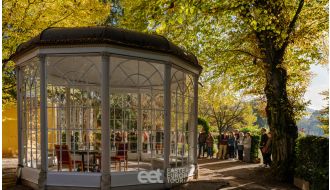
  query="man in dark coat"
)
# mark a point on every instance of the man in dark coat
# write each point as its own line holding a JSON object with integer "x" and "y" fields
{"x": 236, "y": 134}
{"x": 201, "y": 142}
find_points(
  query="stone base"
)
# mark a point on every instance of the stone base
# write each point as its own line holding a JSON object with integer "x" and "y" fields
{"x": 205, "y": 184}
{"x": 196, "y": 172}
{"x": 42, "y": 180}
{"x": 30, "y": 184}
{"x": 71, "y": 188}
{"x": 105, "y": 181}
{"x": 301, "y": 184}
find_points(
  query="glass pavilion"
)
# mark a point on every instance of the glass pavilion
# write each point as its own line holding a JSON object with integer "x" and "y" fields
{"x": 97, "y": 105}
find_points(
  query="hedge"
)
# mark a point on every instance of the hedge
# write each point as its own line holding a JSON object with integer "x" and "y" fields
{"x": 204, "y": 124}
{"x": 312, "y": 161}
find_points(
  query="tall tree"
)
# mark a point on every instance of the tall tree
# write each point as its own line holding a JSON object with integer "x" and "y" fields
{"x": 224, "y": 107}
{"x": 264, "y": 46}
{"x": 24, "y": 19}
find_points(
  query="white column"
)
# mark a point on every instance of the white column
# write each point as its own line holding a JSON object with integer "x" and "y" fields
{"x": 139, "y": 128}
{"x": 152, "y": 136}
{"x": 68, "y": 117}
{"x": 167, "y": 115}
{"x": 194, "y": 154}
{"x": 43, "y": 123}
{"x": 191, "y": 127}
{"x": 19, "y": 79}
{"x": 105, "y": 129}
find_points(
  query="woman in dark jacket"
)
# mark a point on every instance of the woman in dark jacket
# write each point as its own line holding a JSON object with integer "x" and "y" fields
{"x": 231, "y": 144}
{"x": 209, "y": 144}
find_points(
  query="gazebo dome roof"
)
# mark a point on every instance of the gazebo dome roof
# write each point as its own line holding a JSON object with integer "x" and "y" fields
{"x": 105, "y": 35}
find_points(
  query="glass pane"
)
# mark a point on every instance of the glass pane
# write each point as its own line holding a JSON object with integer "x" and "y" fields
{"x": 31, "y": 113}
{"x": 74, "y": 113}
{"x": 136, "y": 110}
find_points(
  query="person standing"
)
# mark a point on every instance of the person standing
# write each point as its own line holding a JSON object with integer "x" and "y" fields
{"x": 236, "y": 135}
{"x": 263, "y": 141}
{"x": 223, "y": 142}
{"x": 218, "y": 145}
{"x": 159, "y": 139}
{"x": 118, "y": 139}
{"x": 201, "y": 143}
{"x": 240, "y": 146}
{"x": 145, "y": 141}
{"x": 231, "y": 144}
{"x": 209, "y": 144}
{"x": 247, "y": 147}
{"x": 267, "y": 151}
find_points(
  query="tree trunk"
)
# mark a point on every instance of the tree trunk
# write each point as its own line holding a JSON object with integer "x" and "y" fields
{"x": 280, "y": 120}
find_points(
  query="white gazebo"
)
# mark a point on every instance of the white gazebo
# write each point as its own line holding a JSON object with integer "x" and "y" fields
{"x": 98, "y": 106}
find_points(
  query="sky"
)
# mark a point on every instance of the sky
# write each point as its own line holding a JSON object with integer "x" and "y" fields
{"x": 319, "y": 83}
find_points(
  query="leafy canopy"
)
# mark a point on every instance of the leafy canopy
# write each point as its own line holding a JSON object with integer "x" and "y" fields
{"x": 24, "y": 19}
{"x": 222, "y": 34}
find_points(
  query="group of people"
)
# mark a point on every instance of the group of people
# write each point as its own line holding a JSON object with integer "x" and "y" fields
{"x": 234, "y": 145}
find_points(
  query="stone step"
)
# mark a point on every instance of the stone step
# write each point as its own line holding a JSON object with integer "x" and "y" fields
{"x": 9, "y": 170}
{"x": 8, "y": 185}
{"x": 8, "y": 178}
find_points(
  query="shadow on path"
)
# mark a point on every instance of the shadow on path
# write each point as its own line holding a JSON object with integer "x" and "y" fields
{"x": 234, "y": 174}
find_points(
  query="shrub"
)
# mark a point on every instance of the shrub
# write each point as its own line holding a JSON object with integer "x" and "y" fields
{"x": 312, "y": 163}
{"x": 254, "y": 130}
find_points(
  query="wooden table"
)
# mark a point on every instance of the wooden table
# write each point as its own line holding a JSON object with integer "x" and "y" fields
{"x": 87, "y": 152}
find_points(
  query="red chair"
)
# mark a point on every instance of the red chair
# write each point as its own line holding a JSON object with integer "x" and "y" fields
{"x": 121, "y": 155}
{"x": 66, "y": 157}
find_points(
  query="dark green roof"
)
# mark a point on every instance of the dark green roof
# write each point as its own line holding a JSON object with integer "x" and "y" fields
{"x": 106, "y": 35}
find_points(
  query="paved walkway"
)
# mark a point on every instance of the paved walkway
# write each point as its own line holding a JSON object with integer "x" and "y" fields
{"x": 238, "y": 175}
{"x": 213, "y": 175}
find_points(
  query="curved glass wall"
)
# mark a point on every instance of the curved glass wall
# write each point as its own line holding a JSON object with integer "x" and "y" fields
{"x": 182, "y": 118}
{"x": 136, "y": 113}
{"x": 73, "y": 106}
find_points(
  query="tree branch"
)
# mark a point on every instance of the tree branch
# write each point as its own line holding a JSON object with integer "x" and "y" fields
{"x": 292, "y": 25}
{"x": 8, "y": 87}
{"x": 5, "y": 62}
{"x": 243, "y": 52}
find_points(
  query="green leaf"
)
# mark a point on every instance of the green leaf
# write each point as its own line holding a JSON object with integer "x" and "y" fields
{"x": 254, "y": 24}
{"x": 180, "y": 19}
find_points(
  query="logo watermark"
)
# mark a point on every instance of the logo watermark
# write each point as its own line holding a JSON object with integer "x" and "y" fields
{"x": 177, "y": 175}
{"x": 153, "y": 176}
{"x": 173, "y": 175}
